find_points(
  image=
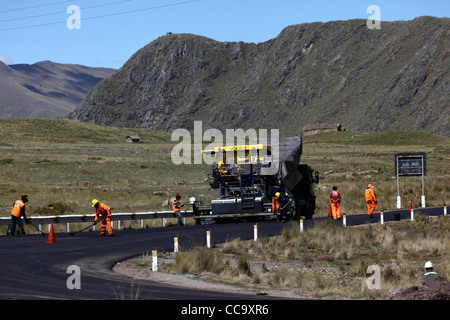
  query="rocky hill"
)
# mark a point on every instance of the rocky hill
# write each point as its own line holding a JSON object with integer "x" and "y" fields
{"x": 395, "y": 78}
{"x": 45, "y": 89}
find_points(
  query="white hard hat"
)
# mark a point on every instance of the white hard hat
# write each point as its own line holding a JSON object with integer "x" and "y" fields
{"x": 428, "y": 264}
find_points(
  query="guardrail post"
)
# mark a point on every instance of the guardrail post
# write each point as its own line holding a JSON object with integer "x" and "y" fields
{"x": 445, "y": 210}
{"x": 163, "y": 222}
{"x": 381, "y": 217}
{"x": 344, "y": 220}
{"x": 301, "y": 224}
{"x": 142, "y": 223}
{"x": 412, "y": 214}
{"x": 255, "y": 232}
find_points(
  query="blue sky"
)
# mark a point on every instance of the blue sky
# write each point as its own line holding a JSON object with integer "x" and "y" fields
{"x": 36, "y": 30}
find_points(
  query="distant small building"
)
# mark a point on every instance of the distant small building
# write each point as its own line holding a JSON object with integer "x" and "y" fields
{"x": 133, "y": 139}
{"x": 321, "y": 127}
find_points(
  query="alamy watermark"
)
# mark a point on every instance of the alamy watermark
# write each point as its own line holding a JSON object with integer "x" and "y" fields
{"x": 373, "y": 282}
{"x": 74, "y": 21}
{"x": 374, "y": 21}
{"x": 190, "y": 150}
{"x": 74, "y": 281}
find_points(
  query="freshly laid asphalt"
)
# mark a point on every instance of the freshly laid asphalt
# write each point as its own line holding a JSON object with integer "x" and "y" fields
{"x": 32, "y": 269}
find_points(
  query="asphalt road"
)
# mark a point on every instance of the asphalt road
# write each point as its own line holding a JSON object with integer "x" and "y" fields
{"x": 32, "y": 269}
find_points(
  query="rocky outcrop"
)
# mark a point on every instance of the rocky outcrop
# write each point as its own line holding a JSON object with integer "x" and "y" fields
{"x": 395, "y": 78}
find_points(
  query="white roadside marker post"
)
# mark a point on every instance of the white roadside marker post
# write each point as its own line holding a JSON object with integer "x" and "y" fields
{"x": 208, "y": 238}
{"x": 175, "y": 244}
{"x": 154, "y": 260}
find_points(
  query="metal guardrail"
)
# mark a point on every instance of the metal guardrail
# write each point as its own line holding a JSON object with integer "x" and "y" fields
{"x": 118, "y": 217}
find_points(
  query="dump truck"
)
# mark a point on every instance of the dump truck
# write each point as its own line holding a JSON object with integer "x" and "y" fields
{"x": 248, "y": 177}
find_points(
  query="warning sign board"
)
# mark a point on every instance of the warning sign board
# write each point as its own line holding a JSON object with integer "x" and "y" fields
{"x": 410, "y": 164}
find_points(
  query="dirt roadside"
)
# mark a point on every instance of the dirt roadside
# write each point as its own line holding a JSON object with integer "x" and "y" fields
{"x": 431, "y": 287}
{"x": 131, "y": 269}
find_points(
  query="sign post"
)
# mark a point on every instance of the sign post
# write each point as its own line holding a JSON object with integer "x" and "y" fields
{"x": 410, "y": 164}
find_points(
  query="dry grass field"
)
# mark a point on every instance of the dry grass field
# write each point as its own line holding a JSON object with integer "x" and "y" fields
{"x": 327, "y": 262}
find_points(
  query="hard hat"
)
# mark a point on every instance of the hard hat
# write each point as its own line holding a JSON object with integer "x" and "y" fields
{"x": 94, "y": 202}
{"x": 334, "y": 188}
{"x": 428, "y": 265}
{"x": 178, "y": 196}
{"x": 277, "y": 194}
{"x": 24, "y": 198}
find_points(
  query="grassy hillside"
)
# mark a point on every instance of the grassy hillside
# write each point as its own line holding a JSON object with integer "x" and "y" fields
{"x": 63, "y": 165}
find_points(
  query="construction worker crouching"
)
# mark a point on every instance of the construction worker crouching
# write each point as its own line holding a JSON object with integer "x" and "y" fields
{"x": 105, "y": 212}
{"x": 335, "y": 198}
{"x": 371, "y": 199}
{"x": 16, "y": 213}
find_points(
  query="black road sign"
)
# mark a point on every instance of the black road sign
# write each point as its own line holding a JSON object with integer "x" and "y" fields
{"x": 410, "y": 164}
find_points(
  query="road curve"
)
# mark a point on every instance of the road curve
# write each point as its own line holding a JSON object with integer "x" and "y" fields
{"x": 32, "y": 269}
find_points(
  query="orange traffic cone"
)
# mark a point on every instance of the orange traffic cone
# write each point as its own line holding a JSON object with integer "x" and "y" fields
{"x": 51, "y": 235}
{"x": 410, "y": 205}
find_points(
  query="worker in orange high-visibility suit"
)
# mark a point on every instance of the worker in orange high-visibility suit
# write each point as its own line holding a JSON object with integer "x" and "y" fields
{"x": 275, "y": 204}
{"x": 176, "y": 206}
{"x": 371, "y": 199}
{"x": 335, "y": 198}
{"x": 105, "y": 211}
{"x": 276, "y": 191}
{"x": 16, "y": 213}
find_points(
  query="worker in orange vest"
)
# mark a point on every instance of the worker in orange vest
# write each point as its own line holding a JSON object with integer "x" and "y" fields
{"x": 371, "y": 199}
{"x": 105, "y": 211}
{"x": 283, "y": 203}
{"x": 335, "y": 198}
{"x": 275, "y": 204}
{"x": 16, "y": 213}
{"x": 276, "y": 190}
{"x": 176, "y": 207}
